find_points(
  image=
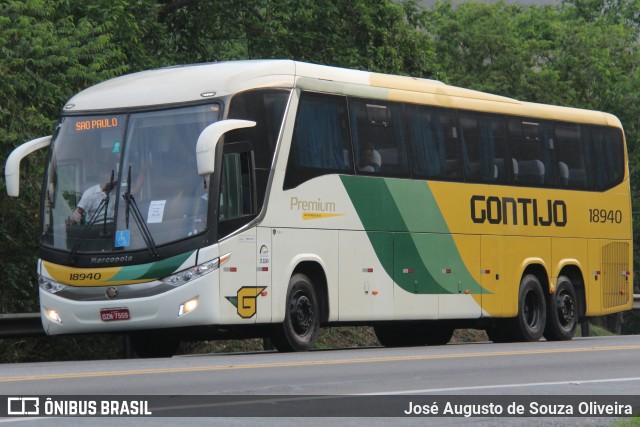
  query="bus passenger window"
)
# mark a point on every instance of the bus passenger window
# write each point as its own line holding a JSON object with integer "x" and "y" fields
{"x": 434, "y": 147}
{"x": 573, "y": 151}
{"x": 532, "y": 154}
{"x": 320, "y": 143}
{"x": 483, "y": 142}
{"x": 608, "y": 156}
{"x": 378, "y": 136}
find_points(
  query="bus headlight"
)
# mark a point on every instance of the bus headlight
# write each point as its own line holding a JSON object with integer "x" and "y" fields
{"x": 50, "y": 286}
{"x": 52, "y": 315}
{"x": 188, "y": 306}
{"x": 185, "y": 276}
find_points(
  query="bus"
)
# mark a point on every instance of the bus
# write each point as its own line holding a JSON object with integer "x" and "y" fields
{"x": 270, "y": 198}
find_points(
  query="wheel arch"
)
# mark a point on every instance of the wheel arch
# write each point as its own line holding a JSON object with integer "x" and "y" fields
{"x": 539, "y": 270}
{"x": 314, "y": 270}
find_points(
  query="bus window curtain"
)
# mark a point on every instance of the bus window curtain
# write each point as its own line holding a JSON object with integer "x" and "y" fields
{"x": 424, "y": 149}
{"x": 487, "y": 150}
{"x": 318, "y": 138}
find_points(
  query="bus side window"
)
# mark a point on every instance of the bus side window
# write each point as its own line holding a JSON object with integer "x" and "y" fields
{"x": 573, "y": 151}
{"x": 434, "y": 147}
{"x": 483, "y": 142}
{"x": 532, "y": 154}
{"x": 320, "y": 143}
{"x": 608, "y": 155}
{"x": 266, "y": 107}
{"x": 237, "y": 202}
{"x": 378, "y": 135}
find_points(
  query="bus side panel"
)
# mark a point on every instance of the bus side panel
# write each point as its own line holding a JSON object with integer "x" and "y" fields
{"x": 291, "y": 247}
{"x": 239, "y": 295}
{"x": 609, "y": 285}
{"x": 366, "y": 290}
{"x": 463, "y": 297}
{"x": 493, "y": 266}
{"x": 567, "y": 252}
{"x": 506, "y": 258}
{"x": 263, "y": 275}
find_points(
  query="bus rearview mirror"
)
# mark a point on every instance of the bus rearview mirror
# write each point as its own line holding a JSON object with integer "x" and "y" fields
{"x": 208, "y": 141}
{"x": 12, "y": 166}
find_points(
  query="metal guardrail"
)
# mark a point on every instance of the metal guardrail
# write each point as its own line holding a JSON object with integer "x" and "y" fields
{"x": 21, "y": 325}
{"x": 29, "y": 325}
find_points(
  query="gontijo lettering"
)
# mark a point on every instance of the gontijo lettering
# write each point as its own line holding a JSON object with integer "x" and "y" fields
{"x": 509, "y": 210}
{"x": 97, "y": 124}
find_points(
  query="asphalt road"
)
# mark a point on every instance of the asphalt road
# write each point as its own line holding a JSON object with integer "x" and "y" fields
{"x": 389, "y": 378}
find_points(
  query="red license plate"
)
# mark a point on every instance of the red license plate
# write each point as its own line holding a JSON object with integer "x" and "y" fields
{"x": 113, "y": 314}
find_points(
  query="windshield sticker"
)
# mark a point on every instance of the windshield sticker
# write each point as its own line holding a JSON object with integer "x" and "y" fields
{"x": 116, "y": 147}
{"x": 156, "y": 211}
{"x": 123, "y": 238}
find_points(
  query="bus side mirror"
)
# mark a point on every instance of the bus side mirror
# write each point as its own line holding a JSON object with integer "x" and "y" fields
{"x": 208, "y": 141}
{"x": 12, "y": 166}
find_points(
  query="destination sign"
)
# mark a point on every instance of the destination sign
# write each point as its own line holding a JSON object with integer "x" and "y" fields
{"x": 104, "y": 123}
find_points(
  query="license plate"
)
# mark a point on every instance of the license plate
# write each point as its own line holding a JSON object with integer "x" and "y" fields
{"x": 113, "y": 314}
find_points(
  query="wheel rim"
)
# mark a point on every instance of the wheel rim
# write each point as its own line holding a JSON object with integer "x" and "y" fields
{"x": 566, "y": 309}
{"x": 302, "y": 315}
{"x": 531, "y": 310}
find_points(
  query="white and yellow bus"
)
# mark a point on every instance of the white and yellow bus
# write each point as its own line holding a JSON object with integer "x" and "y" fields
{"x": 270, "y": 198}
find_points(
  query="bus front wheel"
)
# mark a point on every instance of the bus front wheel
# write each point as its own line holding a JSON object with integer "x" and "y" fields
{"x": 299, "y": 330}
{"x": 562, "y": 312}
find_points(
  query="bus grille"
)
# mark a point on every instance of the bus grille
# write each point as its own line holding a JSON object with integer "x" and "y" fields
{"x": 615, "y": 276}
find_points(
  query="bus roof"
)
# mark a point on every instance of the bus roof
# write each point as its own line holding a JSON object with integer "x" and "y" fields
{"x": 191, "y": 83}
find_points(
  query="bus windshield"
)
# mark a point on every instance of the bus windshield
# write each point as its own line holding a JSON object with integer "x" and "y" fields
{"x": 126, "y": 181}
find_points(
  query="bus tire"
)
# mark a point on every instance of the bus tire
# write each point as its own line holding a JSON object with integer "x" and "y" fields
{"x": 301, "y": 325}
{"x": 529, "y": 324}
{"x": 499, "y": 331}
{"x": 439, "y": 334}
{"x": 152, "y": 344}
{"x": 413, "y": 334}
{"x": 398, "y": 335}
{"x": 562, "y": 312}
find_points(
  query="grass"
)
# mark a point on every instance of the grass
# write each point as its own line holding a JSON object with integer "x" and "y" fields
{"x": 630, "y": 422}
{"x": 95, "y": 347}
{"x": 329, "y": 338}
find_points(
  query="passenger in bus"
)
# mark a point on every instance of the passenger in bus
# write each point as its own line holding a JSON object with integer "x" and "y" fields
{"x": 370, "y": 159}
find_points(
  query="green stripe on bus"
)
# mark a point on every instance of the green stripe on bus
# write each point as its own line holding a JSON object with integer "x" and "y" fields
{"x": 397, "y": 214}
{"x": 152, "y": 270}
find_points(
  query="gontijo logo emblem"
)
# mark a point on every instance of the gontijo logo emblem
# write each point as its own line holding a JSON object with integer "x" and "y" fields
{"x": 246, "y": 300}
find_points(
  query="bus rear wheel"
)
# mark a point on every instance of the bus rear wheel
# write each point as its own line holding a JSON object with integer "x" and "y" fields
{"x": 562, "y": 312}
{"x": 301, "y": 325}
{"x": 532, "y": 311}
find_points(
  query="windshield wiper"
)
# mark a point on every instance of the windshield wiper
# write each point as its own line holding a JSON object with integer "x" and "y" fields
{"x": 104, "y": 204}
{"x": 132, "y": 207}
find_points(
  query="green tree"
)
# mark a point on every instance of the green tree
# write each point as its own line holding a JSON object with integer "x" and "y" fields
{"x": 46, "y": 55}
{"x": 379, "y": 35}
